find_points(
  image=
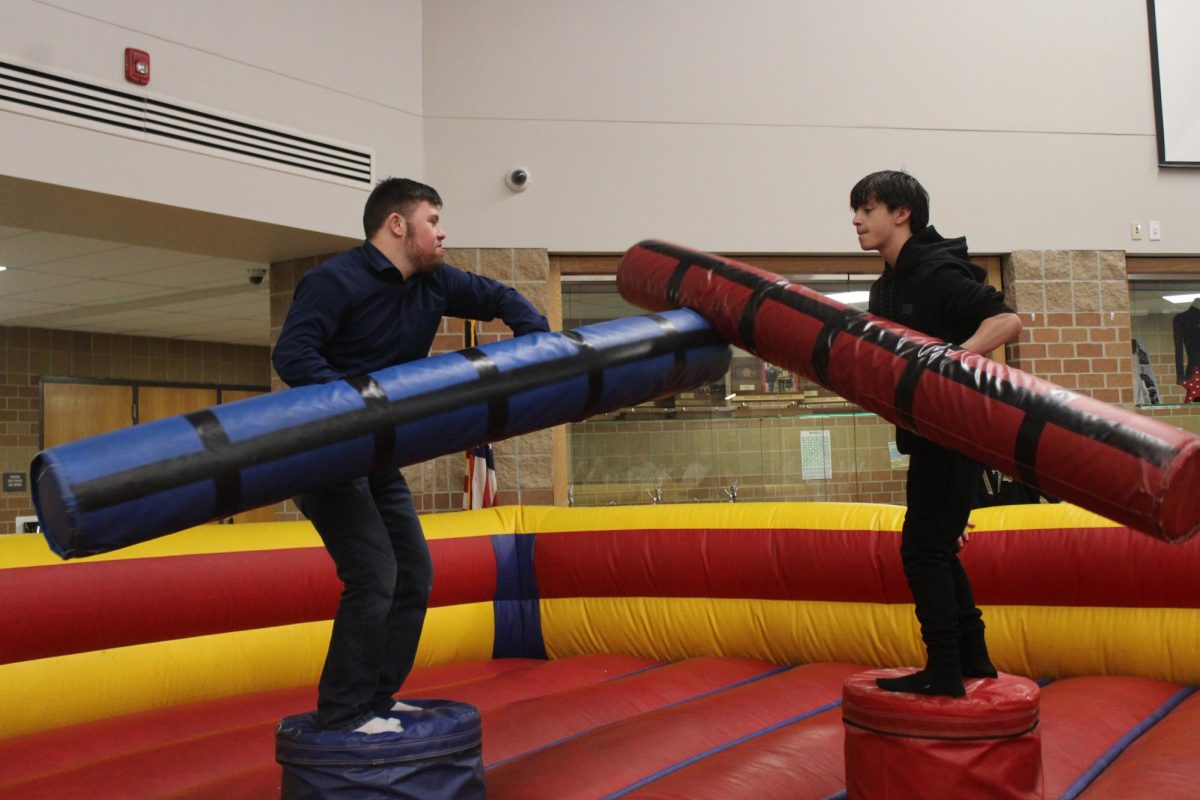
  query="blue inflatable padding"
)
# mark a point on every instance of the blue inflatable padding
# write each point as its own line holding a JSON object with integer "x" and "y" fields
{"x": 438, "y": 756}
{"x": 134, "y": 484}
{"x": 516, "y": 608}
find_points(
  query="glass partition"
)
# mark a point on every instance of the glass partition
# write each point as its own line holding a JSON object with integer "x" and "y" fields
{"x": 843, "y": 455}
{"x": 1165, "y": 326}
{"x": 759, "y": 434}
{"x": 1165, "y": 321}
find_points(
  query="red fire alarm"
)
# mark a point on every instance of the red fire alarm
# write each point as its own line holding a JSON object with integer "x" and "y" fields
{"x": 137, "y": 66}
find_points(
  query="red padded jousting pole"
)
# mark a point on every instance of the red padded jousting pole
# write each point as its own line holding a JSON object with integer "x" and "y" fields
{"x": 1127, "y": 467}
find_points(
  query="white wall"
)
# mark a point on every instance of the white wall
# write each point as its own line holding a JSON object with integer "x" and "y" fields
{"x": 733, "y": 127}
{"x": 741, "y": 127}
{"x": 350, "y": 72}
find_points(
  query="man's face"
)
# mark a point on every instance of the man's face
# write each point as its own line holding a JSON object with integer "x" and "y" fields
{"x": 423, "y": 237}
{"x": 876, "y": 224}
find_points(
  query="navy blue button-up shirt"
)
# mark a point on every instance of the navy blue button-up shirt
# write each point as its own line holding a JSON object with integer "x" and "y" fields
{"x": 355, "y": 314}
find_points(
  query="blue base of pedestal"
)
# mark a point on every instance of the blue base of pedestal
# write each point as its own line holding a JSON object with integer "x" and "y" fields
{"x": 438, "y": 756}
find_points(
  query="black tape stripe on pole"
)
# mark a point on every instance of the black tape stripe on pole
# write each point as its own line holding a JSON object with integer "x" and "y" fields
{"x": 374, "y": 397}
{"x": 227, "y": 486}
{"x": 680, "y": 355}
{"x": 595, "y": 373}
{"x": 489, "y": 373}
{"x": 823, "y": 346}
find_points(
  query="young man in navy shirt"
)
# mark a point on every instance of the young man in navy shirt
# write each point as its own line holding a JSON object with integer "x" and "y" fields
{"x": 369, "y": 308}
{"x": 929, "y": 285}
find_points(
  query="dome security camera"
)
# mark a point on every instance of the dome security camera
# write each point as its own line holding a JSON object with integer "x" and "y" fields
{"x": 256, "y": 276}
{"x": 517, "y": 179}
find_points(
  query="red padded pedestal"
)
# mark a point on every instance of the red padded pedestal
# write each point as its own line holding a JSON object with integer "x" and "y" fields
{"x": 985, "y": 746}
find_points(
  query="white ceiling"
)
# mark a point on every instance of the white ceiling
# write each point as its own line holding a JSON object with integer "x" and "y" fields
{"x": 85, "y": 261}
{"x": 76, "y": 283}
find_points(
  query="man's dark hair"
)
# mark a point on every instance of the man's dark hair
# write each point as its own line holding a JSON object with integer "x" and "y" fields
{"x": 395, "y": 195}
{"x": 895, "y": 190}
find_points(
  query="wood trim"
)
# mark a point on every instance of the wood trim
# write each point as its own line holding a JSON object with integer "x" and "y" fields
{"x": 250, "y": 387}
{"x": 598, "y": 264}
{"x": 1142, "y": 265}
{"x": 810, "y": 265}
{"x": 584, "y": 265}
{"x": 994, "y": 272}
{"x": 560, "y": 468}
{"x": 601, "y": 264}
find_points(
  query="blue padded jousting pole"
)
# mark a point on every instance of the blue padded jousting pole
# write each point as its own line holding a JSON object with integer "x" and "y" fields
{"x": 135, "y": 484}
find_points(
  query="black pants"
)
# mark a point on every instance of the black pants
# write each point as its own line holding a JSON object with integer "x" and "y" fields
{"x": 371, "y": 530}
{"x": 941, "y": 486}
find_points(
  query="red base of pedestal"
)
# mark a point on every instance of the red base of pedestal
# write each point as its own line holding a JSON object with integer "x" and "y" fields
{"x": 984, "y": 746}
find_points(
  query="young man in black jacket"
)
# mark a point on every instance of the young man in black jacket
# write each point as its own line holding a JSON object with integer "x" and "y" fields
{"x": 929, "y": 285}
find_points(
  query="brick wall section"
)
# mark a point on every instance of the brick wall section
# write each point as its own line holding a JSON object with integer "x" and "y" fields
{"x": 1074, "y": 305}
{"x": 27, "y": 354}
{"x": 523, "y": 463}
{"x": 284, "y": 275}
{"x": 524, "y": 473}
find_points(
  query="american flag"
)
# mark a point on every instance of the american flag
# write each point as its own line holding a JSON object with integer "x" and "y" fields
{"x": 479, "y": 490}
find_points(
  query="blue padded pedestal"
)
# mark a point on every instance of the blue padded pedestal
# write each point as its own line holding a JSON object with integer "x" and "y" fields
{"x": 438, "y": 756}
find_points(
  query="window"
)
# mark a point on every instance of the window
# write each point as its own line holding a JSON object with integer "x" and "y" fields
{"x": 1165, "y": 323}
{"x": 750, "y": 381}
{"x": 761, "y": 433}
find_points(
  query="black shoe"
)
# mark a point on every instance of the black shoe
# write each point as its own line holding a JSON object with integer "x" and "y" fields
{"x": 973, "y": 655}
{"x": 931, "y": 680}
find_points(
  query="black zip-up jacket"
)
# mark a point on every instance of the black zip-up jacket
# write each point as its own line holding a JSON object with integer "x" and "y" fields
{"x": 934, "y": 289}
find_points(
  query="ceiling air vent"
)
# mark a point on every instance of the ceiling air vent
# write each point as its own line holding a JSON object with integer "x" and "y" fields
{"x": 43, "y": 94}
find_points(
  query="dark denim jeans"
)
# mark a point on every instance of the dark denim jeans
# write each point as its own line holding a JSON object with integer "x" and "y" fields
{"x": 941, "y": 487}
{"x": 371, "y": 530}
